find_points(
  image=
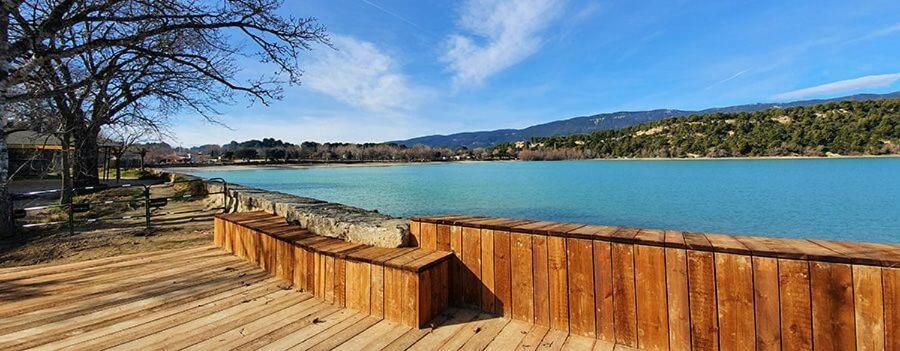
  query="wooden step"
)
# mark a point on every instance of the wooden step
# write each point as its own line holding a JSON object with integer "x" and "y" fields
{"x": 403, "y": 285}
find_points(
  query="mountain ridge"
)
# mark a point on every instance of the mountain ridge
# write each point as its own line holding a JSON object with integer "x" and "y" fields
{"x": 605, "y": 121}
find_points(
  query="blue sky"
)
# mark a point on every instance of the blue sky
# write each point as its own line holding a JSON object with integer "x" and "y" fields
{"x": 410, "y": 68}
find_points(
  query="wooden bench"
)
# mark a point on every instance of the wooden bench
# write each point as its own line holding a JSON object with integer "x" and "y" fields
{"x": 657, "y": 290}
{"x": 404, "y": 285}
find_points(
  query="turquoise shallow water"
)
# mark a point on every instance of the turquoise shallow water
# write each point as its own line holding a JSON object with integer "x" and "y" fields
{"x": 840, "y": 199}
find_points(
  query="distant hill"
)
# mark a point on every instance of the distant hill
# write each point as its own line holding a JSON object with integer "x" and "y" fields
{"x": 604, "y": 121}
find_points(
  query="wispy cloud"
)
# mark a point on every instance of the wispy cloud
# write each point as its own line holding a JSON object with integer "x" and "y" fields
{"x": 360, "y": 74}
{"x": 873, "y": 81}
{"x": 392, "y": 14}
{"x": 726, "y": 80}
{"x": 497, "y": 35}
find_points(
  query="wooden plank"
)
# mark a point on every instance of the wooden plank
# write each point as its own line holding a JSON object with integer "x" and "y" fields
{"x": 299, "y": 278}
{"x": 428, "y": 233}
{"x": 891, "y": 280}
{"x": 522, "y": 277}
{"x": 359, "y": 286}
{"x": 767, "y": 304}
{"x": 439, "y": 288}
{"x": 532, "y": 340}
{"x": 443, "y": 237}
{"x": 540, "y": 262}
{"x": 511, "y": 335}
{"x": 580, "y": 262}
{"x": 423, "y": 289}
{"x": 603, "y": 291}
{"x": 329, "y": 280}
{"x": 624, "y": 302}
{"x": 472, "y": 267}
{"x": 376, "y": 303}
{"x": 734, "y": 298}
{"x": 458, "y": 319}
{"x": 502, "y": 274}
{"x": 488, "y": 294}
{"x": 651, "y": 297}
{"x": 832, "y": 306}
{"x": 456, "y": 267}
{"x": 702, "y": 294}
{"x": 679, "y": 309}
{"x": 869, "y": 304}
{"x": 393, "y": 295}
{"x": 415, "y": 234}
{"x": 796, "y": 313}
{"x": 559, "y": 282}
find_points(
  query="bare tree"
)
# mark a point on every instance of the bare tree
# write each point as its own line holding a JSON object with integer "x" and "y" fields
{"x": 39, "y": 34}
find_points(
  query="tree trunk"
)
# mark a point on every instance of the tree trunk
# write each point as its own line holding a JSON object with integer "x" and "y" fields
{"x": 7, "y": 226}
{"x": 142, "y": 163}
{"x": 66, "y": 196}
{"x": 87, "y": 158}
{"x": 118, "y": 169}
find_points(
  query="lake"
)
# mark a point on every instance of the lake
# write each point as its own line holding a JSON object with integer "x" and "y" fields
{"x": 839, "y": 199}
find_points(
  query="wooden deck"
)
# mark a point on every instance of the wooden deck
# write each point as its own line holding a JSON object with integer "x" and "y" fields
{"x": 206, "y": 299}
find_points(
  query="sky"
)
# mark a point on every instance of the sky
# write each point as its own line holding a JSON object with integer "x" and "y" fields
{"x": 401, "y": 69}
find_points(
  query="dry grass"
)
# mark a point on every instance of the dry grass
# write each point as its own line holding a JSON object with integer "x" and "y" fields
{"x": 182, "y": 223}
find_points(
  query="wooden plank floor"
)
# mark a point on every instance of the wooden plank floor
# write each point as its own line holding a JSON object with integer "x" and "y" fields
{"x": 205, "y": 299}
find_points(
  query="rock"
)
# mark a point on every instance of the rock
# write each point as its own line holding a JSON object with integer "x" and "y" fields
{"x": 320, "y": 217}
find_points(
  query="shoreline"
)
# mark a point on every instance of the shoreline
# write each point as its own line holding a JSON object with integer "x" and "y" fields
{"x": 239, "y": 167}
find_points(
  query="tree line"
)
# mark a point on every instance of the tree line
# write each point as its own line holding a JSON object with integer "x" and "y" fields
{"x": 78, "y": 70}
{"x": 276, "y": 151}
{"x": 842, "y": 128}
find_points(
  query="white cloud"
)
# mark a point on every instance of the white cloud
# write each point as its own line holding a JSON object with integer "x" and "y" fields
{"x": 359, "y": 74}
{"x": 873, "y": 81}
{"x": 500, "y": 34}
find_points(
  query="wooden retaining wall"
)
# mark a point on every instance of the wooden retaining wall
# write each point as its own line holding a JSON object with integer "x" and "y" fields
{"x": 661, "y": 290}
{"x": 405, "y": 285}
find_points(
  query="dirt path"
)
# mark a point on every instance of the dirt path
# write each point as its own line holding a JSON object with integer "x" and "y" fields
{"x": 181, "y": 223}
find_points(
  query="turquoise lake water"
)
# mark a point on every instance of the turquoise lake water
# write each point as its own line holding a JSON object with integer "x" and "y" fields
{"x": 839, "y": 199}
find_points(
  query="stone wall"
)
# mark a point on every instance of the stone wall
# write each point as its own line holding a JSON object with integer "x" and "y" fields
{"x": 320, "y": 217}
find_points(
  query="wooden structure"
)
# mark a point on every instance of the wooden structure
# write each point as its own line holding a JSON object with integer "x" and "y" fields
{"x": 206, "y": 299}
{"x": 405, "y": 285}
{"x": 661, "y": 290}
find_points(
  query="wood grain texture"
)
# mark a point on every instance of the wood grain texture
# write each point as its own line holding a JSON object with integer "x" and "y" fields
{"x": 559, "y": 283}
{"x": 472, "y": 267}
{"x": 580, "y": 261}
{"x": 603, "y": 291}
{"x": 869, "y": 303}
{"x": 428, "y": 235}
{"x": 679, "y": 310}
{"x": 359, "y": 286}
{"x": 415, "y": 234}
{"x": 502, "y": 274}
{"x": 522, "y": 277}
{"x": 734, "y": 298}
{"x": 443, "y": 237}
{"x": 832, "y": 306}
{"x": 624, "y": 300}
{"x": 456, "y": 267}
{"x": 891, "y": 281}
{"x": 376, "y": 302}
{"x": 540, "y": 268}
{"x": 796, "y": 314}
{"x": 702, "y": 293}
{"x": 651, "y": 297}
{"x": 488, "y": 289}
{"x": 767, "y": 304}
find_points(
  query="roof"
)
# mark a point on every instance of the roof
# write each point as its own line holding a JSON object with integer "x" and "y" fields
{"x": 30, "y": 138}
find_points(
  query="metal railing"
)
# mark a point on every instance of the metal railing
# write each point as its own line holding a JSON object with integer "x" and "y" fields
{"x": 143, "y": 199}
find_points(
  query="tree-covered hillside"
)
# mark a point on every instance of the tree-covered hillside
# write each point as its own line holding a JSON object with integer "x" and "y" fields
{"x": 845, "y": 128}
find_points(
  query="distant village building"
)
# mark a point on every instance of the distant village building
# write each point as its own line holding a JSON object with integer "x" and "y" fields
{"x": 32, "y": 153}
